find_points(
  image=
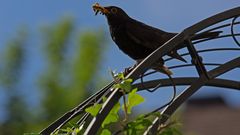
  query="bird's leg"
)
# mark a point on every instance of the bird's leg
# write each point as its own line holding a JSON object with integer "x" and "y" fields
{"x": 129, "y": 69}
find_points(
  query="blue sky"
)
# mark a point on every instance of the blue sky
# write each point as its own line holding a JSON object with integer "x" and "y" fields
{"x": 169, "y": 15}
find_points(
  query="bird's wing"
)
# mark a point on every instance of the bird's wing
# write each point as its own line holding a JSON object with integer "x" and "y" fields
{"x": 147, "y": 36}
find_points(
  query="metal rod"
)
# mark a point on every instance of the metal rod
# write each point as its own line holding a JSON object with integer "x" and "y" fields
{"x": 182, "y": 81}
{"x": 196, "y": 60}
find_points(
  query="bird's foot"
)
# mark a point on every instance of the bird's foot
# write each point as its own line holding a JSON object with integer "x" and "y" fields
{"x": 129, "y": 69}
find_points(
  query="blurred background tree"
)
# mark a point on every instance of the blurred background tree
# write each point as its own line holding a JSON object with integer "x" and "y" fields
{"x": 71, "y": 61}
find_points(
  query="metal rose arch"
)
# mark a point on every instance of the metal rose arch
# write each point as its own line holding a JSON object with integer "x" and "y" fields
{"x": 208, "y": 73}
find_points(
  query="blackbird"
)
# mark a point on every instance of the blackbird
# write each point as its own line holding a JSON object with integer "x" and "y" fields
{"x": 137, "y": 39}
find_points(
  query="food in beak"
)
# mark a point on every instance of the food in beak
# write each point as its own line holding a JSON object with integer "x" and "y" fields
{"x": 97, "y": 8}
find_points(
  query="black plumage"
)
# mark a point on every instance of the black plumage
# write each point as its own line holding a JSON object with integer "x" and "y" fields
{"x": 137, "y": 39}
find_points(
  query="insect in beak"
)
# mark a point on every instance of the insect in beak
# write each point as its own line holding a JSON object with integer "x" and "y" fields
{"x": 99, "y": 9}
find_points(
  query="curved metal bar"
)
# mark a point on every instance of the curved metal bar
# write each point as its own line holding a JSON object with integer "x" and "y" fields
{"x": 172, "y": 99}
{"x": 232, "y": 31}
{"x": 218, "y": 37}
{"x": 208, "y": 50}
{"x": 221, "y": 26}
{"x": 154, "y": 89}
{"x": 190, "y": 65}
{"x": 150, "y": 73}
{"x": 196, "y": 85}
{"x": 180, "y": 81}
{"x": 213, "y": 20}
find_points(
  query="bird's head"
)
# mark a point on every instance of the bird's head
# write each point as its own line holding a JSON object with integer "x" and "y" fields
{"x": 114, "y": 15}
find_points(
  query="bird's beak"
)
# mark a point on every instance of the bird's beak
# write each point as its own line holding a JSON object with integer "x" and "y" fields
{"x": 97, "y": 8}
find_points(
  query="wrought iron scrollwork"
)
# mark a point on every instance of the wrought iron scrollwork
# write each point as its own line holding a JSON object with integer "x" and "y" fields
{"x": 232, "y": 30}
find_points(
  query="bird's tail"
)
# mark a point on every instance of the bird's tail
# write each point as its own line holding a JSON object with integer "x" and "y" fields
{"x": 175, "y": 55}
{"x": 206, "y": 35}
{"x": 203, "y": 35}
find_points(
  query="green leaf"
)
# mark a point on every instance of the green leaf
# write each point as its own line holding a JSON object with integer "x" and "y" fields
{"x": 93, "y": 110}
{"x": 128, "y": 80}
{"x": 126, "y": 85}
{"x": 76, "y": 131}
{"x": 134, "y": 99}
{"x": 112, "y": 116}
{"x": 68, "y": 130}
{"x": 120, "y": 76}
{"x": 117, "y": 86}
{"x": 105, "y": 132}
{"x": 140, "y": 123}
{"x": 104, "y": 98}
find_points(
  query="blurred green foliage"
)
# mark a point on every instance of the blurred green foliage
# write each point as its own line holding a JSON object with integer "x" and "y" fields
{"x": 72, "y": 61}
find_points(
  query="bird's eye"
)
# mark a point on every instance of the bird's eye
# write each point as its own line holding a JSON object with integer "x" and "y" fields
{"x": 114, "y": 10}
